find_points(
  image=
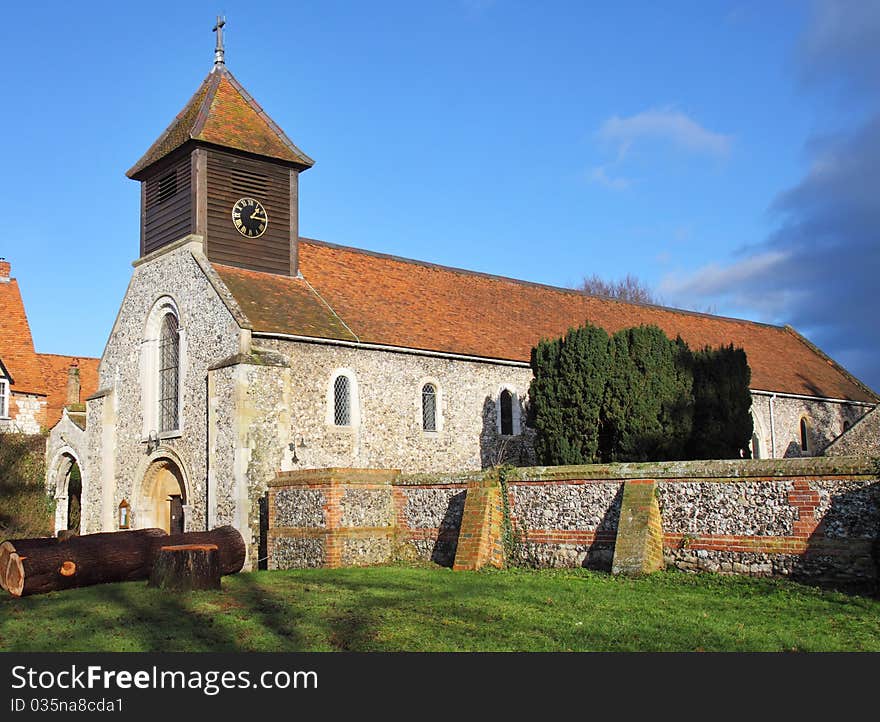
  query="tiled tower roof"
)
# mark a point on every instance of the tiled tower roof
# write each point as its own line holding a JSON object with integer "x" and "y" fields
{"x": 223, "y": 113}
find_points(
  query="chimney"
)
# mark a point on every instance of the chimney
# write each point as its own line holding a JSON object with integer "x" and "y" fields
{"x": 5, "y": 270}
{"x": 72, "y": 385}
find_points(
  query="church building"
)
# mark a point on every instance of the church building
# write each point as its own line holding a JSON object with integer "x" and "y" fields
{"x": 242, "y": 349}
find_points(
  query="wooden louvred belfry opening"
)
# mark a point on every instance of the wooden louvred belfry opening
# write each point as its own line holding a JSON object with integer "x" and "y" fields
{"x": 220, "y": 148}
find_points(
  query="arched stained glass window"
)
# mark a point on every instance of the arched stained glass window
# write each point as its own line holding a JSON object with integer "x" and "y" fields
{"x": 169, "y": 374}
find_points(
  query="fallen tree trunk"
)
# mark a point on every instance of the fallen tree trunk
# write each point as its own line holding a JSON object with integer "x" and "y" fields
{"x": 20, "y": 546}
{"x": 35, "y": 566}
{"x": 80, "y": 561}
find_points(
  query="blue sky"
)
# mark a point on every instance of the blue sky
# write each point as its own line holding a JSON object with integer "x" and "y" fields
{"x": 720, "y": 151}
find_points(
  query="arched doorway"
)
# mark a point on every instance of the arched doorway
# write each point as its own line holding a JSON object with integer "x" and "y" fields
{"x": 163, "y": 496}
{"x": 67, "y": 478}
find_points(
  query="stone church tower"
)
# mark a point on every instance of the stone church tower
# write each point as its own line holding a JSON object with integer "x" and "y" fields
{"x": 166, "y": 432}
{"x": 242, "y": 349}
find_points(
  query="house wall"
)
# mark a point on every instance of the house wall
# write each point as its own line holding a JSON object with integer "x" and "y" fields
{"x": 27, "y": 413}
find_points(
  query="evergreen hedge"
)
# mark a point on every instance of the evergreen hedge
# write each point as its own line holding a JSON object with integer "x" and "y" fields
{"x": 637, "y": 396}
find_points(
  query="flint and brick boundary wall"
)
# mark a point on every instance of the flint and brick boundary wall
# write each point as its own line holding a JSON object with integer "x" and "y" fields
{"x": 816, "y": 519}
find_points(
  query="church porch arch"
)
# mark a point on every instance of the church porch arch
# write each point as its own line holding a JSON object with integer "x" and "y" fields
{"x": 163, "y": 494}
{"x": 65, "y": 476}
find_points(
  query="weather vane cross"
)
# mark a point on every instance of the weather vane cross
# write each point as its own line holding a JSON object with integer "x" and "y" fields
{"x": 218, "y": 50}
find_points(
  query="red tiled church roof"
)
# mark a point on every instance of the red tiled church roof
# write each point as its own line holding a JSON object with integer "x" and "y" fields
{"x": 282, "y": 303}
{"x": 391, "y": 301}
{"x": 16, "y": 344}
{"x": 55, "y": 370}
{"x": 222, "y": 112}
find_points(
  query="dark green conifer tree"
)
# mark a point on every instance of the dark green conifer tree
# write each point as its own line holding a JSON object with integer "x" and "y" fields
{"x": 722, "y": 402}
{"x": 648, "y": 409}
{"x": 566, "y": 395}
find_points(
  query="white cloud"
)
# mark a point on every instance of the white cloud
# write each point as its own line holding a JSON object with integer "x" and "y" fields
{"x": 734, "y": 285}
{"x": 599, "y": 175}
{"x": 666, "y": 125}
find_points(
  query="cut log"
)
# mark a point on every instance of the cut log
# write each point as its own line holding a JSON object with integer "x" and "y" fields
{"x": 230, "y": 545}
{"x": 34, "y": 566}
{"x": 185, "y": 567}
{"x": 95, "y": 558}
{"x": 20, "y": 546}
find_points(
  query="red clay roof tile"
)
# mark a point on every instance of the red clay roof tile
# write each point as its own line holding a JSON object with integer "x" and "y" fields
{"x": 55, "y": 370}
{"x": 16, "y": 343}
{"x": 222, "y": 112}
{"x": 282, "y": 303}
{"x": 403, "y": 303}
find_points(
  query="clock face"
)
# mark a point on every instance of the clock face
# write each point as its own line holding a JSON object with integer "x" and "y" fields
{"x": 249, "y": 217}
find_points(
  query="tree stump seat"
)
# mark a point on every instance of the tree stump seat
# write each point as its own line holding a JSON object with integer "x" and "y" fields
{"x": 184, "y": 567}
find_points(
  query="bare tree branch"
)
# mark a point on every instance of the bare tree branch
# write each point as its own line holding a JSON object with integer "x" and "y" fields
{"x": 629, "y": 288}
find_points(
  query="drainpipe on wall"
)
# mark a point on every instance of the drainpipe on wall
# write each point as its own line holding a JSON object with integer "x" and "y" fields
{"x": 772, "y": 429}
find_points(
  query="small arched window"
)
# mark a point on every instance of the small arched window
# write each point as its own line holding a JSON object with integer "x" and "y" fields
{"x": 342, "y": 401}
{"x": 169, "y": 374}
{"x": 805, "y": 435}
{"x": 429, "y": 407}
{"x": 506, "y": 411}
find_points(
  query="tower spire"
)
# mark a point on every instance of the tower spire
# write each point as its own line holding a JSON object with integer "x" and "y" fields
{"x": 219, "y": 52}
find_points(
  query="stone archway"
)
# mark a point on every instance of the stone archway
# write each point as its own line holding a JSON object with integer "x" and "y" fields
{"x": 162, "y": 497}
{"x": 66, "y": 477}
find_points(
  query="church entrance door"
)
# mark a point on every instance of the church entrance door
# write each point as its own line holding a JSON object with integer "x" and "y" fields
{"x": 176, "y": 524}
{"x": 163, "y": 495}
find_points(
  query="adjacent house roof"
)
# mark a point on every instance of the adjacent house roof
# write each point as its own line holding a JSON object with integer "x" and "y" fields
{"x": 223, "y": 113}
{"x": 347, "y": 294}
{"x": 16, "y": 343}
{"x": 55, "y": 370}
{"x": 40, "y": 374}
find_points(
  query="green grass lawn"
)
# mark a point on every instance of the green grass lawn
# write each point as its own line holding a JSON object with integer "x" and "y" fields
{"x": 422, "y": 609}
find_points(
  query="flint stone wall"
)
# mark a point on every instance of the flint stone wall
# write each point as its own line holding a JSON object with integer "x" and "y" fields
{"x": 815, "y": 519}
{"x": 862, "y": 439}
{"x": 387, "y": 415}
{"x": 299, "y": 508}
{"x": 331, "y": 517}
{"x": 208, "y": 333}
{"x": 714, "y": 507}
{"x": 367, "y": 508}
{"x": 827, "y": 420}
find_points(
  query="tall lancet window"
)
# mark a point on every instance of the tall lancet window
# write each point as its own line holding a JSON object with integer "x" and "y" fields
{"x": 342, "y": 401}
{"x": 429, "y": 408}
{"x": 506, "y": 403}
{"x": 169, "y": 374}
